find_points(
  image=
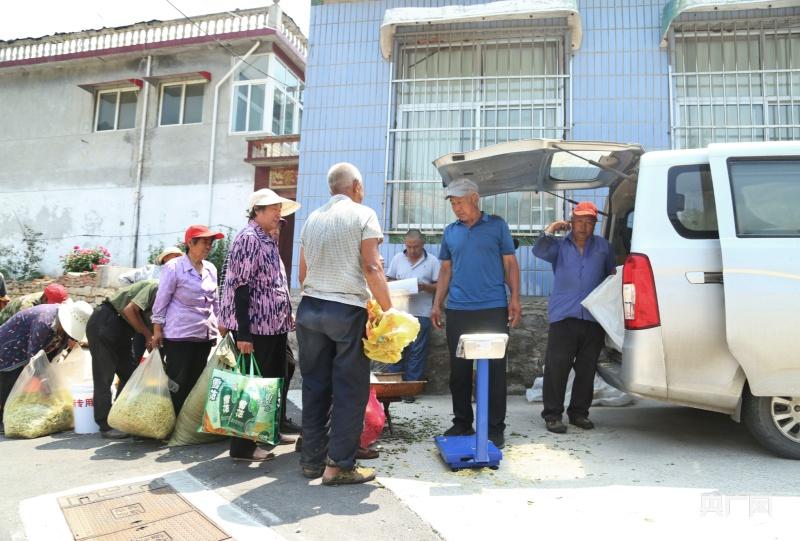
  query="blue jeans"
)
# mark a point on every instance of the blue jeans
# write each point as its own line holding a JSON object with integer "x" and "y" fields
{"x": 335, "y": 380}
{"x": 415, "y": 355}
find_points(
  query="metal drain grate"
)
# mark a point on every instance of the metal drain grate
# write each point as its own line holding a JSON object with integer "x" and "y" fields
{"x": 140, "y": 512}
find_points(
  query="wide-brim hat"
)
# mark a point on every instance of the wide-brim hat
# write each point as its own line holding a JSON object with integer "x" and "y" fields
{"x": 265, "y": 197}
{"x": 73, "y": 317}
{"x": 172, "y": 250}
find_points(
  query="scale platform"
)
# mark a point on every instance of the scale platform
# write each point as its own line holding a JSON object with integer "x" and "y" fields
{"x": 461, "y": 452}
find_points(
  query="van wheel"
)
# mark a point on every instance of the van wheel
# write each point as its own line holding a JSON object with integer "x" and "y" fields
{"x": 774, "y": 421}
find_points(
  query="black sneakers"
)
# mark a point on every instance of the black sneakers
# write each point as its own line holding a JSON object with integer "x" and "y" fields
{"x": 498, "y": 438}
{"x": 459, "y": 430}
{"x": 581, "y": 422}
{"x": 555, "y": 425}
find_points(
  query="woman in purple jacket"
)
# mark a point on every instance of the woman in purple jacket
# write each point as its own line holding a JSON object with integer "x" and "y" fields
{"x": 185, "y": 312}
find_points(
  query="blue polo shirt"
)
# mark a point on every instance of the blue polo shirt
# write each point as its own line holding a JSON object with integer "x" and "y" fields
{"x": 477, "y": 281}
{"x": 575, "y": 275}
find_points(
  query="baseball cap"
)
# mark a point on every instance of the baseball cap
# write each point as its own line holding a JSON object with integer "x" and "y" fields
{"x": 55, "y": 294}
{"x": 460, "y": 187}
{"x": 196, "y": 231}
{"x": 265, "y": 197}
{"x": 585, "y": 208}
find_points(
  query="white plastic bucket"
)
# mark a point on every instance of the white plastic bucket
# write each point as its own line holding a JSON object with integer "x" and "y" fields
{"x": 83, "y": 409}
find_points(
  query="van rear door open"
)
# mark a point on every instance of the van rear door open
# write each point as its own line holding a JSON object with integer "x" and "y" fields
{"x": 540, "y": 165}
{"x": 757, "y": 193}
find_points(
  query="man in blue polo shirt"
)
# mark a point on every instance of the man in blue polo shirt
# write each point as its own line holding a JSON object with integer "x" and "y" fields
{"x": 581, "y": 261}
{"x": 478, "y": 262}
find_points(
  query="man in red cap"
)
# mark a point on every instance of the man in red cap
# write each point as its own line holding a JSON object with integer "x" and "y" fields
{"x": 581, "y": 260}
{"x": 52, "y": 294}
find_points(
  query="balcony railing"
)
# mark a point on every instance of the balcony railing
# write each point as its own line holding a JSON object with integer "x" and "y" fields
{"x": 152, "y": 33}
{"x": 273, "y": 149}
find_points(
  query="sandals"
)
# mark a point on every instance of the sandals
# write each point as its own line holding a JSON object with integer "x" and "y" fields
{"x": 365, "y": 453}
{"x": 259, "y": 455}
{"x": 312, "y": 472}
{"x": 358, "y": 474}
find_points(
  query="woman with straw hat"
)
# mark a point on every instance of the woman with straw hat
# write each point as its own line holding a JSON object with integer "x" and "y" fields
{"x": 255, "y": 300}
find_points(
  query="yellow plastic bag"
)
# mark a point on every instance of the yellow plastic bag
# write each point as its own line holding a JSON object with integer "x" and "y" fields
{"x": 388, "y": 333}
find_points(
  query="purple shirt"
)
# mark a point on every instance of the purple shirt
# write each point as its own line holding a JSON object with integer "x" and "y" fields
{"x": 254, "y": 261}
{"x": 187, "y": 304}
{"x": 575, "y": 274}
{"x": 28, "y": 331}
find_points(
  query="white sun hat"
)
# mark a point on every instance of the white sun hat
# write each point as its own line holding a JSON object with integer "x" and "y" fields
{"x": 73, "y": 317}
{"x": 265, "y": 197}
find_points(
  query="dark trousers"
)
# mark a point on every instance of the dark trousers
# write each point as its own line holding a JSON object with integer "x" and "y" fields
{"x": 270, "y": 353}
{"x": 290, "y": 368}
{"x": 492, "y": 320}
{"x": 571, "y": 344}
{"x": 110, "y": 343}
{"x": 185, "y": 362}
{"x": 335, "y": 380}
{"x": 7, "y": 381}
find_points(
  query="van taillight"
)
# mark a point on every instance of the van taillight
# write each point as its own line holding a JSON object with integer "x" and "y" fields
{"x": 639, "y": 299}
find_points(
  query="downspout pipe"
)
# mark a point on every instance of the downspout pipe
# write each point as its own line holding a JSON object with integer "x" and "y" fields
{"x": 137, "y": 204}
{"x": 214, "y": 115}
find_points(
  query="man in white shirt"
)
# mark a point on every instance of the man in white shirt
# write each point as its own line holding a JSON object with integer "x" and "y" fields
{"x": 339, "y": 267}
{"x": 415, "y": 262}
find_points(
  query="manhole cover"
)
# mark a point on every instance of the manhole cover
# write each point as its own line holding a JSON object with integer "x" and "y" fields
{"x": 140, "y": 512}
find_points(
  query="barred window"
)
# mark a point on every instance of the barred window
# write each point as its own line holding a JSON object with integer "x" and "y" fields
{"x": 458, "y": 95}
{"x": 735, "y": 81}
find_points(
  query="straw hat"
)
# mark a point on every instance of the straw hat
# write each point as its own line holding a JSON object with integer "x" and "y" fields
{"x": 73, "y": 317}
{"x": 265, "y": 197}
{"x": 172, "y": 250}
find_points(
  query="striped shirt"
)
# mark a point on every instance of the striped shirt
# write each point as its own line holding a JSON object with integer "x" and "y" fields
{"x": 331, "y": 241}
{"x": 254, "y": 261}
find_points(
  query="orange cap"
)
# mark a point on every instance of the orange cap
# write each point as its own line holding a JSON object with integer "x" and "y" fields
{"x": 585, "y": 208}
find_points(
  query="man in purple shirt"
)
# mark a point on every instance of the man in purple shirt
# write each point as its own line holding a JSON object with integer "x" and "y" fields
{"x": 255, "y": 301}
{"x": 581, "y": 261}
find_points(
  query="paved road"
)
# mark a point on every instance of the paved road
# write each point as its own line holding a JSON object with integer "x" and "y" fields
{"x": 648, "y": 471}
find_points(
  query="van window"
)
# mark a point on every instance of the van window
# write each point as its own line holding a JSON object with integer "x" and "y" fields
{"x": 690, "y": 202}
{"x": 766, "y": 195}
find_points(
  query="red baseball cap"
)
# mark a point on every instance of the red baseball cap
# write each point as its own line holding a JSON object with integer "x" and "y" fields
{"x": 585, "y": 208}
{"x": 197, "y": 231}
{"x": 55, "y": 294}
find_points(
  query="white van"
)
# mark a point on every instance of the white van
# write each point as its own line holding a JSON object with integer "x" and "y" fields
{"x": 710, "y": 241}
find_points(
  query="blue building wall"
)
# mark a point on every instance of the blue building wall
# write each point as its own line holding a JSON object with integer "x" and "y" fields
{"x": 619, "y": 83}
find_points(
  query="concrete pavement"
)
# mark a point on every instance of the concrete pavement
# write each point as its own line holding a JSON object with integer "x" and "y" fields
{"x": 648, "y": 471}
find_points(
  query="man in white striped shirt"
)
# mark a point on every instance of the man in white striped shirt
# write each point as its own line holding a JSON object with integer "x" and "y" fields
{"x": 339, "y": 266}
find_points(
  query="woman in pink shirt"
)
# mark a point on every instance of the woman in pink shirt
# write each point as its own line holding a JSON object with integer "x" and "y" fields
{"x": 185, "y": 311}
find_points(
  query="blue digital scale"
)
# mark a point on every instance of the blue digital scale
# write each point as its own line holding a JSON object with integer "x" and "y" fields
{"x": 476, "y": 451}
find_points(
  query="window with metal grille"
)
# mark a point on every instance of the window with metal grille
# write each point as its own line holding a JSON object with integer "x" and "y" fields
{"x": 463, "y": 94}
{"x": 735, "y": 81}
